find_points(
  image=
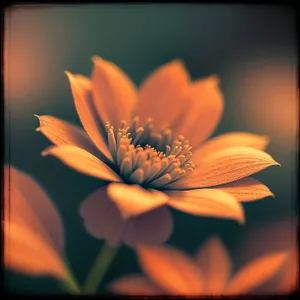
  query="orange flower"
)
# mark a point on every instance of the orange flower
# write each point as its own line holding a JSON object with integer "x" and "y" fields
{"x": 142, "y": 143}
{"x": 33, "y": 232}
{"x": 172, "y": 272}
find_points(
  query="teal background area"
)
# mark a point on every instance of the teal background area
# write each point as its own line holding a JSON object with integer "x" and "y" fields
{"x": 229, "y": 40}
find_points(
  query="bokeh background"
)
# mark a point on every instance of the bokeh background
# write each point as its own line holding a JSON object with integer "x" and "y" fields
{"x": 252, "y": 48}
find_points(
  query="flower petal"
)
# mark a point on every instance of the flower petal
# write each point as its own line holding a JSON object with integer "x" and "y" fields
{"x": 153, "y": 227}
{"x": 202, "y": 111}
{"x": 82, "y": 93}
{"x": 27, "y": 205}
{"x": 289, "y": 279}
{"x": 102, "y": 218}
{"x": 232, "y": 139}
{"x": 215, "y": 263}
{"x": 28, "y": 253}
{"x": 208, "y": 203}
{"x": 135, "y": 285}
{"x": 159, "y": 96}
{"x": 171, "y": 269}
{"x": 133, "y": 200}
{"x": 256, "y": 273}
{"x": 82, "y": 161}
{"x": 226, "y": 166}
{"x": 246, "y": 189}
{"x": 61, "y": 133}
{"x": 113, "y": 92}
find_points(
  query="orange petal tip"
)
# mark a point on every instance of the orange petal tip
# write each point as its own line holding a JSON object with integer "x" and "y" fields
{"x": 241, "y": 220}
{"x": 46, "y": 151}
{"x": 215, "y": 79}
{"x": 177, "y": 61}
{"x": 96, "y": 59}
{"x": 68, "y": 73}
{"x": 38, "y": 128}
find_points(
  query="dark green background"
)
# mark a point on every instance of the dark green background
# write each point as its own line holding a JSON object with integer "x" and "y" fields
{"x": 229, "y": 40}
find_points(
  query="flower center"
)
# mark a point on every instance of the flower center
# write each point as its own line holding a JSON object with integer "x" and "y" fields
{"x": 150, "y": 159}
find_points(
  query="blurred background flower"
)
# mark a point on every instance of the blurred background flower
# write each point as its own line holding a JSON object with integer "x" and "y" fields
{"x": 170, "y": 271}
{"x": 277, "y": 235}
{"x": 251, "y": 48}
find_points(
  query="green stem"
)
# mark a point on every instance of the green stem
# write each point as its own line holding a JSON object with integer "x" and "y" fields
{"x": 99, "y": 268}
{"x": 70, "y": 282}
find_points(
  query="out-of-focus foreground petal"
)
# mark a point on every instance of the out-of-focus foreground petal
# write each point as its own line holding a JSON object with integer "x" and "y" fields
{"x": 133, "y": 200}
{"x": 101, "y": 217}
{"x": 113, "y": 92}
{"x": 138, "y": 285}
{"x": 82, "y": 94}
{"x": 256, "y": 273}
{"x": 29, "y": 253}
{"x": 215, "y": 264}
{"x": 171, "y": 269}
{"x": 227, "y": 140}
{"x": 27, "y": 205}
{"x": 225, "y": 166}
{"x": 203, "y": 107}
{"x": 289, "y": 278}
{"x": 246, "y": 189}
{"x": 103, "y": 220}
{"x": 33, "y": 230}
{"x": 153, "y": 227}
{"x": 267, "y": 237}
{"x": 82, "y": 161}
{"x": 207, "y": 202}
{"x": 61, "y": 133}
{"x": 160, "y": 94}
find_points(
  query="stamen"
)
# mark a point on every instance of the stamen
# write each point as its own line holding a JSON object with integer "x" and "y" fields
{"x": 139, "y": 133}
{"x": 168, "y": 150}
{"x": 148, "y": 158}
{"x": 161, "y": 181}
{"x": 126, "y": 167}
{"x": 112, "y": 145}
{"x": 137, "y": 176}
{"x": 121, "y": 154}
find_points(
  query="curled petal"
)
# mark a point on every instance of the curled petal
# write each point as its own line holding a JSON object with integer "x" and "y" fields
{"x": 215, "y": 264}
{"x": 82, "y": 161}
{"x": 208, "y": 203}
{"x": 171, "y": 269}
{"x": 226, "y": 166}
{"x": 203, "y": 107}
{"x": 256, "y": 273}
{"x": 246, "y": 189}
{"x": 163, "y": 87}
{"x": 232, "y": 139}
{"x": 28, "y": 253}
{"x": 63, "y": 133}
{"x": 135, "y": 285}
{"x": 113, "y": 92}
{"x": 153, "y": 227}
{"x": 133, "y": 200}
{"x": 82, "y": 94}
{"x": 27, "y": 205}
